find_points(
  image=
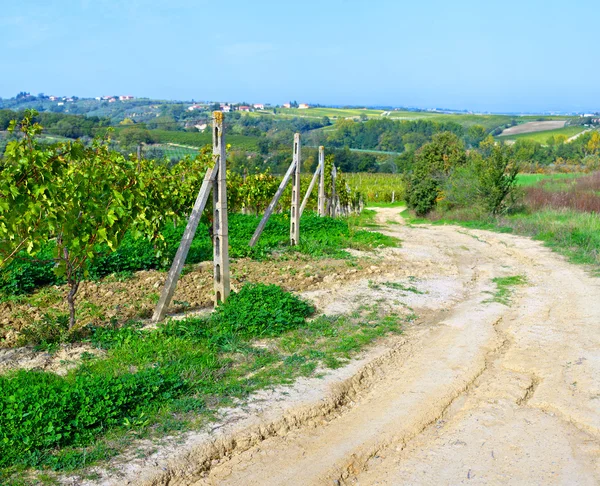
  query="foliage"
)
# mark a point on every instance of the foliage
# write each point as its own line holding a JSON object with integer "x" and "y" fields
{"x": 488, "y": 183}
{"x": 256, "y": 191}
{"x": 433, "y": 163}
{"x": 377, "y": 188}
{"x": 241, "y": 142}
{"x": 28, "y": 190}
{"x": 78, "y": 200}
{"x": 151, "y": 380}
{"x": 259, "y": 310}
{"x": 41, "y": 411}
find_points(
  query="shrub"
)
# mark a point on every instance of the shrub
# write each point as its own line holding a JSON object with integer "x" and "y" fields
{"x": 259, "y": 310}
{"x": 433, "y": 163}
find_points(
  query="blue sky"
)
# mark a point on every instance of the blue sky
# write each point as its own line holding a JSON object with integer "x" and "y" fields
{"x": 527, "y": 55}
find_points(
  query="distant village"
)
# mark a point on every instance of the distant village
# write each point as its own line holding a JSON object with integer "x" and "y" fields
{"x": 224, "y": 107}
{"x": 231, "y": 107}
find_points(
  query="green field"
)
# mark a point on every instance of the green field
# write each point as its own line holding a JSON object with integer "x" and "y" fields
{"x": 543, "y": 136}
{"x": 489, "y": 121}
{"x": 528, "y": 180}
{"x": 195, "y": 139}
{"x": 330, "y": 112}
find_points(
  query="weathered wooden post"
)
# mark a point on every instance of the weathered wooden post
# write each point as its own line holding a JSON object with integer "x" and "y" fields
{"x": 272, "y": 204}
{"x": 220, "y": 220}
{"x": 209, "y": 182}
{"x": 333, "y": 195}
{"x": 321, "y": 203}
{"x": 295, "y": 210}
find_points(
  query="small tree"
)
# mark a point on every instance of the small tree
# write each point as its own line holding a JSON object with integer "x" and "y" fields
{"x": 84, "y": 199}
{"x": 497, "y": 176}
{"x": 433, "y": 163}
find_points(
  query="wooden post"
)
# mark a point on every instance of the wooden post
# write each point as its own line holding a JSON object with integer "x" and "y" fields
{"x": 215, "y": 179}
{"x": 220, "y": 223}
{"x": 295, "y": 209}
{"x": 321, "y": 204}
{"x": 309, "y": 191}
{"x": 333, "y": 195}
{"x": 184, "y": 247}
{"x": 139, "y": 151}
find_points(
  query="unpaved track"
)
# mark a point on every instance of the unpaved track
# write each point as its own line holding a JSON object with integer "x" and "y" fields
{"x": 481, "y": 393}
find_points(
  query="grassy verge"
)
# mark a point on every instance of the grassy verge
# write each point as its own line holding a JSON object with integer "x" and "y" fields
{"x": 153, "y": 382}
{"x": 574, "y": 234}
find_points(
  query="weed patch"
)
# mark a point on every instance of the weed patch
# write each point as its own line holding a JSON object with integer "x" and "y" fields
{"x": 505, "y": 288}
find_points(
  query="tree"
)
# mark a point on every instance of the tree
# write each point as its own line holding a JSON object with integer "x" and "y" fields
{"x": 497, "y": 178}
{"x": 475, "y": 135}
{"x": 129, "y": 137}
{"x": 83, "y": 199}
{"x": 433, "y": 163}
{"x": 593, "y": 145}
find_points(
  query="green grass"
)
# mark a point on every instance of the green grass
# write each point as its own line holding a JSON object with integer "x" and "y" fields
{"x": 574, "y": 234}
{"x": 395, "y": 204}
{"x": 177, "y": 150}
{"x": 543, "y": 136}
{"x": 528, "y": 180}
{"x": 505, "y": 288}
{"x": 173, "y": 378}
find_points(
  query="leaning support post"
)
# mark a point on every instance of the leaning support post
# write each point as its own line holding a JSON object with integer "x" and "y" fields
{"x": 321, "y": 203}
{"x": 309, "y": 191}
{"x": 184, "y": 247}
{"x": 220, "y": 223}
{"x": 272, "y": 204}
{"x": 295, "y": 209}
{"x": 333, "y": 194}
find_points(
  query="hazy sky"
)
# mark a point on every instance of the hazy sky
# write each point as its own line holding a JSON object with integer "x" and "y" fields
{"x": 525, "y": 55}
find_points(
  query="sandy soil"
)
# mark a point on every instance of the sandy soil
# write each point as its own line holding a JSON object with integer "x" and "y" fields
{"x": 531, "y": 127}
{"x": 475, "y": 392}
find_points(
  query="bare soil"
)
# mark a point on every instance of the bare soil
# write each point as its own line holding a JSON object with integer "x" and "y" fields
{"x": 474, "y": 392}
{"x": 136, "y": 297}
{"x": 530, "y": 127}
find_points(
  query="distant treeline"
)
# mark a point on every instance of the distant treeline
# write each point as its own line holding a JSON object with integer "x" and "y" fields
{"x": 61, "y": 124}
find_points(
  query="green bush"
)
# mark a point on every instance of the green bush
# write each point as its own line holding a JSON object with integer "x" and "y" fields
{"x": 433, "y": 163}
{"x": 486, "y": 185}
{"x": 259, "y": 310}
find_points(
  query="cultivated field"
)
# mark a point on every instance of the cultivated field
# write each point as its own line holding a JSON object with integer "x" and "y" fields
{"x": 536, "y": 126}
{"x": 542, "y": 137}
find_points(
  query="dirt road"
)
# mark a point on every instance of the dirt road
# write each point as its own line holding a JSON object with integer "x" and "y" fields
{"x": 476, "y": 393}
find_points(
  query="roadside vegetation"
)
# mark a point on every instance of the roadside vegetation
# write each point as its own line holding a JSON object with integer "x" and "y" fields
{"x": 559, "y": 209}
{"x": 152, "y": 382}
